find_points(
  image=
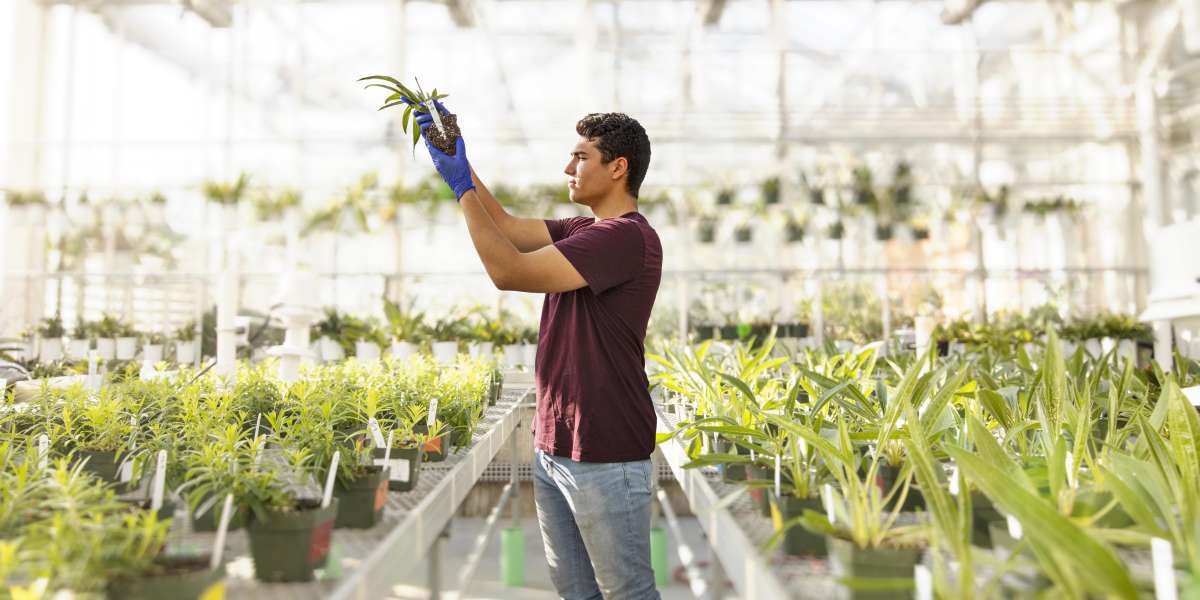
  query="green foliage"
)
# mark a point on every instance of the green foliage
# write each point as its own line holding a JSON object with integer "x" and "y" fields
{"x": 421, "y": 102}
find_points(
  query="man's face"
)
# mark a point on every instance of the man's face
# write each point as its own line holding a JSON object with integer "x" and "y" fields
{"x": 589, "y": 178}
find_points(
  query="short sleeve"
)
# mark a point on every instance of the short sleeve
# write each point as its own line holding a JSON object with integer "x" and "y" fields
{"x": 561, "y": 228}
{"x": 607, "y": 253}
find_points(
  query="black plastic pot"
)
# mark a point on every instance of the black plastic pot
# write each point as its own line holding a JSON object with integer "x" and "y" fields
{"x": 983, "y": 514}
{"x": 729, "y": 332}
{"x": 289, "y": 546}
{"x": 103, "y": 464}
{"x": 705, "y": 332}
{"x": 885, "y": 478}
{"x": 189, "y": 579}
{"x": 849, "y": 561}
{"x": 361, "y": 502}
{"x": 402, "y": 476}
{"x": 799, "y": 541}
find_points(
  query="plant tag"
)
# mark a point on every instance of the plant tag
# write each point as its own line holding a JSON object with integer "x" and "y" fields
{"x": 923, "y": 579}
{"x": 433, "y": 406}
{"x": 126, "y": 470}
{"x": 1164, "y": 569}
{"x": 827, "y": 499}
{"x": 954, "y": 480}
{"x": 397, "y": 468}
{"x": 43, "y": 451}
{"x": 376, "y": 432}
{"x": 328, "y": 496}
{"x": 1070, "y": 463}
{"x": 751, "y": 455}
{"x": 777, "y": 470}
{"x": 803, "y": 448}
{"x": 222, "y": 527}
{"x": 1014, "y": 528}
{"x": 387, "y": 454}
{"x": 157, "y": 488}
{"x": 436, "y": 114}
{"x": 257, "y": 425}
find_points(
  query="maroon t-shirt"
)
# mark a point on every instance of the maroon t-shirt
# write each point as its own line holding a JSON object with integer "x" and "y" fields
{"x": 593, "y": 396}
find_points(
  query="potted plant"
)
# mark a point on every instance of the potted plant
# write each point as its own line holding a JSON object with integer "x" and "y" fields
{"x": 370, "y": 342}
{"x": 50, "y": 335}
{"x": 185, "y": 344}
{"x": 725, "y": 196}
{"x": 404, "y": 460}
{"x": 290, "y": 533}
{"x": 443, "y": 335}
{"x": 361, "y": 486}
{"x": 139, "y": 566}
{"x": 127, "y": 342}
{"x": 444, "y": 136}
{"x": 794, "y": 229}
{"x": 328, "y": 333}
{"x": 770, "y": 191}
{"x": 96, "y": 431}
{"x": 107, "y": 329}
{"x": 743, "y": 233}
{"x": 407, "y": 325}
{"x": 220, "y": 464}
{"x": 152, "y": 352}
{"x": 706, "y": 232}
{"x": 80, "y": 341}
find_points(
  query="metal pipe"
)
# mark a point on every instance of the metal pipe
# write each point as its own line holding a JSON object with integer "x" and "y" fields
{"x": 481, "y": 540}
{"x": 687, "y": 558}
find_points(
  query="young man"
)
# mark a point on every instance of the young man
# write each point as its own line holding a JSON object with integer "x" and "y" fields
{"x": 594, "y": 429}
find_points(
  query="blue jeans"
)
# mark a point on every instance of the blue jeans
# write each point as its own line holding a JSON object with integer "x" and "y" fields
{"x": 595, "y": 521}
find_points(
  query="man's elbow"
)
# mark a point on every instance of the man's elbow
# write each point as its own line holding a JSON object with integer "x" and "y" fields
{"x": 503, "y": 280}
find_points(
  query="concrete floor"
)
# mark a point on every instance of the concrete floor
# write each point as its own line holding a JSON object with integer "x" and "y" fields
{"x": 487, "y": 584}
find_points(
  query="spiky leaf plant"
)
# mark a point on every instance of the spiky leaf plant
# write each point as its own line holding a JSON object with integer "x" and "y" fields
{"x": 443, "y": 138}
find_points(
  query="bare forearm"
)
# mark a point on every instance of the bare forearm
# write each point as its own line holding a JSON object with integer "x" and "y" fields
{"x": 489, "y": 202}
{"x": 495, "y": 250}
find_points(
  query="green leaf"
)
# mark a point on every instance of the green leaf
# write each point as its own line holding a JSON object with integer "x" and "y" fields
{"x": 407, "y": 114}
{"x": 1096, "y": 565}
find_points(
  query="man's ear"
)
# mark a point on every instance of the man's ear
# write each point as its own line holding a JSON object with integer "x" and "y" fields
{"x": 620, "y": 166}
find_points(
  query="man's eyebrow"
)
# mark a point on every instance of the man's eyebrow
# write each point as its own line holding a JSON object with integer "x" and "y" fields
{"x": 578, "y": 153}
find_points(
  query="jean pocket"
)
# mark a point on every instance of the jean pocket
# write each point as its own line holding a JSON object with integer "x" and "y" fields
{"x": 637, "y": 477}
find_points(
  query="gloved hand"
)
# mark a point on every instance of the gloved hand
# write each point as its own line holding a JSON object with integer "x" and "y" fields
{"x": 455, "y": 170}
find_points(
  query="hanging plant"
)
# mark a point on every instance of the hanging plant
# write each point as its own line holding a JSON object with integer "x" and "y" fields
{"x": 725, "y": 197}
{"x": 864, "y": 191}
{"x": 445, "y": 132}
{"x": 226, "y": 193}
{"x": 706, "y": 232}
{"x": 770, "y": 191}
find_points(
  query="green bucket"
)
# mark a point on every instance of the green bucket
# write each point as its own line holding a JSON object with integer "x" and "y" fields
{"x": 179, "y": 583}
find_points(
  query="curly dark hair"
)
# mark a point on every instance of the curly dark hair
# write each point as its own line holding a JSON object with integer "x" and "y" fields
{"x": 617, "y": 135}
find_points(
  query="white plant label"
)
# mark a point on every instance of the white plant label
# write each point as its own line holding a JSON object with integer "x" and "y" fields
{"x": 752, "y": 455}
{"x": 397, "y": 468}
{"x": 158, "y": 487}
{"x": 777, "y": 470}
{"x": 1014, "y": 528}
{"x": 126, "y": 470}
{"x": 387, "y": 454}
{"x": 827, "y": 499}
{"x": 222, "y": 527}
{"x": 437, "y": 117}
{"x": 923, "y": 579}
{"x": 333, "y": 465}
{"x": 43, "y": 451}
{"x": 1070, "y": 462}
{"x": 1164, "y": 569}
{"x": 803, "y": 448}
{"x": 376, "y": 432}
{"x": 954, "y": 480}
{"x": 433, "y": 406}
{"x": 257, "y": 425}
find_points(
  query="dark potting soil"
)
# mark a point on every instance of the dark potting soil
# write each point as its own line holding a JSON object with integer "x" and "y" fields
{"x": 446, "y": 143}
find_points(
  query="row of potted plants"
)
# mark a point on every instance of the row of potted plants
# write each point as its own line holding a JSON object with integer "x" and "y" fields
{"x": 1005, "y": 473}
{"x": 271, "y": 446}
{"x": 110, "y": 337}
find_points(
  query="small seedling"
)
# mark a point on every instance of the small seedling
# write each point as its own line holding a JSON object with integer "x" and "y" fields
{"x": 444, "y": 135}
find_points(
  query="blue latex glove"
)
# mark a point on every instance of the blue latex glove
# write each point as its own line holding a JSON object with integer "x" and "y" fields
{"x": 455, "y": 170}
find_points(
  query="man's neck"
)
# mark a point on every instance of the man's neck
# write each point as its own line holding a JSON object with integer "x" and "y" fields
{"x": 614, "y": 206}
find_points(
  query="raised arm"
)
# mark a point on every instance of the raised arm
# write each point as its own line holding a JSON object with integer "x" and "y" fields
{"x": 526, "y": 235}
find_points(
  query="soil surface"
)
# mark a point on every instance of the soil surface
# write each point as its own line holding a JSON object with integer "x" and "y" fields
{"x": 445, "y": 143}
